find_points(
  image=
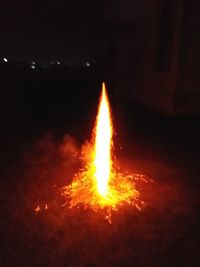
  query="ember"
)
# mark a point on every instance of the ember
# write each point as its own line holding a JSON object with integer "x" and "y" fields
{"x": 101, "y": 184}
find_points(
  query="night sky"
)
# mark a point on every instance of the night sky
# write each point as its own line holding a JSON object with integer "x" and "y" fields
{"x": 51, "y": 29}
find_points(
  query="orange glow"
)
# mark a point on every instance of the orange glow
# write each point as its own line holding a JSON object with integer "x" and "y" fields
{"x": 103, "y": 144}
{"x": 37, "y": 209}
{"x": 101, "y": 184}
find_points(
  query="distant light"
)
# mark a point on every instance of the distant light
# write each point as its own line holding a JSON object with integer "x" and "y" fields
{"x": 87, "y": 64}
{"x": 58, "y": 62}
{"x": 5, "y": 59}
{"x": 33, "y": 62}
{"x": 32, "y": 67}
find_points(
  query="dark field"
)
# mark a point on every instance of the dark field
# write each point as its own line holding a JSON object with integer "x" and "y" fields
{"x": 45, "y": 117}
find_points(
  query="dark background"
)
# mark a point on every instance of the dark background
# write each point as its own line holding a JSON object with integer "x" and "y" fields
{"x": 148, "y": 53}
{"x": 50, "y": 29}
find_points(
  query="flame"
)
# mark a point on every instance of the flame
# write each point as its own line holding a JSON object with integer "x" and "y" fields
{"x": 37, "y": 209}
{"x": 103, "y": 144}
{"x": 100, "y": 184}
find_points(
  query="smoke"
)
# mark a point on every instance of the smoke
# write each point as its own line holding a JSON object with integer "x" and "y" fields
{"x": 49, "y": 165}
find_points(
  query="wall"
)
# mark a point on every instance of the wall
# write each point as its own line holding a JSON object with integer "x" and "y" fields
{"x": 152, "y": 47}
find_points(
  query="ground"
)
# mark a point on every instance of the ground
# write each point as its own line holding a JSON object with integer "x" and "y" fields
{"x": 35, "y": 166}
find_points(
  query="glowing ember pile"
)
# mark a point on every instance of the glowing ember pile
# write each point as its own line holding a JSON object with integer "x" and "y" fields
{"x": 100, "y": 184}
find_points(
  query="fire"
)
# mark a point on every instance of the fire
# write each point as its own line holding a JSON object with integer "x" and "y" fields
{"x": 37, "y": 209}
{"x": 103, "y": 145}
{"x": 100, "y": 184}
